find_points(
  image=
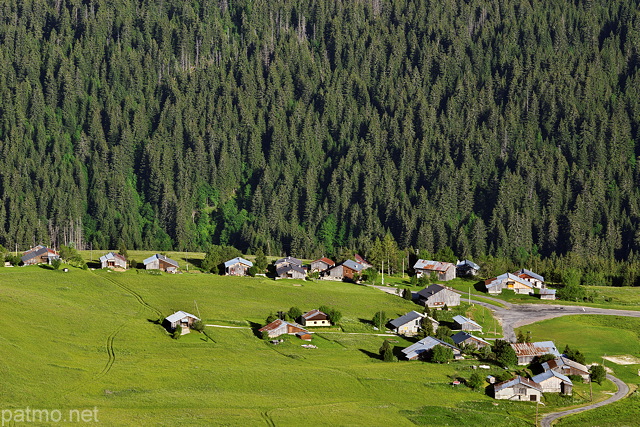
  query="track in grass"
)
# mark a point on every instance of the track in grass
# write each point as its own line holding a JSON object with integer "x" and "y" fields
{"x": 267, "y": 419}
{"x": 110, "y": 352}
{"x": 136, "y": 295}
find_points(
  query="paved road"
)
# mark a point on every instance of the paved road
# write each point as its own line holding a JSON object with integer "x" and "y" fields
{"x": 623, "y": 390}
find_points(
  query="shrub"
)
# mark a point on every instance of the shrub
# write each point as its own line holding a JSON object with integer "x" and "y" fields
{"x": 370, "y": 275}
{"x": 379, "y": 319}
{"x": 295, "y": 312}
{"x": 261, "y": 261}
{"x": 407, "y": 294}
{"x": 388, "y": 356}
{"x": 55, "y": 263}
{"x": 443, "y": 332}
{"x": 504, "y": 353}
{"x": 198, "y": 325}
{"x": 252, "y": 271}
{"x": 133, "y": 263}
{"x": 476, "y": 381}
{"x": 264, "y": 335}
{"x": 414, "y": 281}
{"x": 576, "y": 379}
{"x": 440, "y": 354}
{"x": 177, "y": 332}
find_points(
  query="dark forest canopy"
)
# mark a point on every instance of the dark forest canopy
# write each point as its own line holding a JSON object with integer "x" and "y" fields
{"x": 492, "y": 127}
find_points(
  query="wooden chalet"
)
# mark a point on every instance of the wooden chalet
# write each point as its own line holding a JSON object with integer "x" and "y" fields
{"x": 347, "y": 270}
{"x": 437, "y": 296}
{"x": 467, "y": 268}
{"x": 237, "y": 267}
{"x": 280, "y": 327}
{"x": 410, "y": 324}
{"x": 466, "y": 324}
{"x": 180, "y": 318}
{"x": 554, "y": 382}
{"x": 113, "y": 260}
{"x": 566, "y": 366}
{"x": 321, "y": 265}
{"x": 508, "y": 281}
{"x": 315, "y": 318}
{"x": 468, "y": 339}
{"x": 162, "y": 263}
{"x": 444, "y": 270}
{"x": 39, "y": 255}
{"x": 420, "y": 349}
{"x": 533, "y": 278}
{"x": 526, "y": 351}
{"x": 518, "y": 388}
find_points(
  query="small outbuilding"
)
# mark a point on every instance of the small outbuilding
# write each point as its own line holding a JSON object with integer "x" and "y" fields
{"x": 414, "y": 351}
{"x": 180, "y": 318}
{"x": 113, "y": 260}
{"x": 280, "y": 327}
{"x": 466, "y": 324}
{"x": 554, "y": 382}
{"x": 467, "y": 268}
{"x": 549, "y": 294}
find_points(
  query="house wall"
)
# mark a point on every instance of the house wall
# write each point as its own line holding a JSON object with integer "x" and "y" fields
{"x": 153, "y": 265}
{"x": 348, "y": 273}
{"x": 410, "y": 328}
{"x": 293, "y": 274}
{"x": 573, "y": 371}
{"x": 478, "y": 344}
{"x": 446, "y": 296}
{"x": 449, "y": 274}
{"x": 319, "y": 266}
{"x": 470, "y": 327}
{"x": 316, "y": 322}
{"x": 237, "y": 269}
{"x": 336, "y": 273}
{"x": 549, "y": 296}
{"x": 518, "y": 392}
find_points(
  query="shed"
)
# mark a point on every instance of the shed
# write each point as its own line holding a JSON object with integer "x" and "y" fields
{"x": 113, "y": 260}
{"x": 162, "y": 263}
{"x": 554, "y": 382}
{"x": 315, "y": 318}
{"x": 466, "y": 324}
{"x": 549, "y": 294}
{"x": 415, "y": 351}
{"x": 468, "y": 339}
{"x": 180, "y": 318}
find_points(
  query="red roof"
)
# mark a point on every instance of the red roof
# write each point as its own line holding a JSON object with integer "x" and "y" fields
{"x": 326, "y": 261}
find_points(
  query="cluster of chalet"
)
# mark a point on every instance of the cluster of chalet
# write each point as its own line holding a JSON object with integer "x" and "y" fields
{"x": 521, "y": 282}
{"x": 445, "y": 271}
{"x": 182, "y": 319}
{"x": 553, "y": 379}
{"x": 290, "y": 268}
{"x": 348, "y": 270}
{"x": 313, "y": 318}
{"x": 411, "y": 323}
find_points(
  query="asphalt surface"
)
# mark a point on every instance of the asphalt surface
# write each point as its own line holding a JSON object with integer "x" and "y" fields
{"x": 623, "y": 390}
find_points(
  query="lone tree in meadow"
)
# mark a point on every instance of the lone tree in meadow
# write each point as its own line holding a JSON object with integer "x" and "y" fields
{"x": 598, "y": 373}
{"x": 476, "y": 381}
{"x": 387, "y": 352}
{"x": 379, "y": 319}
{"x": 261, "y": 261}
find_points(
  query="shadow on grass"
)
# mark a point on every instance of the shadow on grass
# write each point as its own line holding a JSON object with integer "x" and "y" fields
{"x": 371, "y": 354}
{"x": 255, "y": 328}
{"x": 46, "y": 266}
{"x": 365, "y": 321}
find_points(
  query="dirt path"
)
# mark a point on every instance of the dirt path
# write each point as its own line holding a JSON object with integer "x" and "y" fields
{"x": 623, "y": 390}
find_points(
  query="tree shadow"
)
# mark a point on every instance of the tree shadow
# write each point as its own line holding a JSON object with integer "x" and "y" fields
{"x": 397, "y": 352}
{"x": 94, "y": 264}
{"x": 365, "y": 321}
{"x": 46, "y": 266}
{"x": 480, "y": 287}
{"x": 255, "y": 328}
{"x": 371, "y": 354}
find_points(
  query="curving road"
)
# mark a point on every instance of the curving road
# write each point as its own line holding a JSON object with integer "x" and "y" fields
{"x": 623, "y": 390}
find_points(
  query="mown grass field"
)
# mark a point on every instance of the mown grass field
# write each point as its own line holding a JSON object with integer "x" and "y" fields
{"x": 87, "y": 339}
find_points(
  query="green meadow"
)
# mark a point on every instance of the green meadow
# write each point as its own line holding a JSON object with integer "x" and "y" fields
{"x": 86, "y": 339}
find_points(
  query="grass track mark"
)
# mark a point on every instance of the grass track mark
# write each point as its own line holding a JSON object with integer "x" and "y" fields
{"x": 136, "y": 295}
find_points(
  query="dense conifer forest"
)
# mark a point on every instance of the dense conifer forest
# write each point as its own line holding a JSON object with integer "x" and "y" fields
{"x": 504, "y": 128}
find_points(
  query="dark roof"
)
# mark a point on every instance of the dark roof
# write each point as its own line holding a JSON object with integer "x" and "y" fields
{"x": 35, "y": 252}
{"x": 467, "y": 263}
{"x": 431, "y": 290}
{"x": 463, "y": 336}
{"x": 353, "y": 265}
{"x": 290, "y": 260}
{"x": 402, "y": 320}
{"x": 315, "y": 314}
{"x": 161, "y": 258}
{"x": 281, "y": 271}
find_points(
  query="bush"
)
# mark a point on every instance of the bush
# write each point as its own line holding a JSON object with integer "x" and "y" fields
{"x": 198, "y": 325}
{"x": 379, "y": 319}
{"x": 504, "y": 353}
{"x": 295, "y": 312}
{"x": 252, "y": 271}
{"x": 476, "y": 381}
{"x": 443, "y": 332}
{"x": 370, "y": 275}
{"x": 55, "y": 263}
{"x": 414, "y": 280}
{"x": 407, "y": 294}
{"x": 133, "y": 263}
{"x": 440, "y": 354}
{"x": 576, "y": 379}
{"x": 264, "y": 335}
{"x": 177, "y": 332}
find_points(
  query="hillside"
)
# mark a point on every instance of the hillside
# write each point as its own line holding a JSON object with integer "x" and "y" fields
{"x": 491, "y": 127}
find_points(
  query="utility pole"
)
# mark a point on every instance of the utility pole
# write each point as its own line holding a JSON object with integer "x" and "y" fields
{"x": 403, "y": 267}
{"x": 383, "y": 272}
{"x": 469, "y": 295}
{"x": 537, "y": 404}
{"x": 197, "y": 309}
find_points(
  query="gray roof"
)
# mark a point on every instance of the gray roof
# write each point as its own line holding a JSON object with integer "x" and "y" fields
{"x": 562, "y": 361}
{"x": 463, "y": 336}
{"x": 36, "y": 251}
{"x": 515, "y": 381}
{"x": 530, "y": 273}
{"x": 548, "y": 374}
{"x": 160, "y": 257}
{"x": 425, "y": 264}
{"x": 352, "y": 265}
{"x": 431, "y": 290}
{"x": 111, "y": 255}
{"x": 281, "y": 271}
{"x": 471, "y": 264}
{"x": 547, "y": 291}
{"x": 403, "y": 320}
{"x": 498, "y": 281}
{"x": 180, "y": 315}
{"x": 290, "y": 260}
{"x": 460, "y": 320}
{"x": 423, "y": 345}
{"x": 238, "y": 260}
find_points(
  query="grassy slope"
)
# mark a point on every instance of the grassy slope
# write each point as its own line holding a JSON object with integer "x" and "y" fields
{"x": 65, "y": 323}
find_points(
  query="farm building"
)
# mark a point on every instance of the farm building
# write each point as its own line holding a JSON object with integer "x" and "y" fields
{"x": 237, "y": 267}
{"x": 547, "y": 293}
{"x": 438, "y": 296}
{"x": 467, "y": 268}
{"x": 535, "y": 279}
{"x": 321, "y": 264}
{"x": 287, "y": 261}
{"x": 162, "y": 263}
{"x": 347, "y": 270}
{"x": 315, "y": 318}
{"x": 444, "y": 270}
{"x": 363, "y": 262}
{"x": 39, "y": 255}
{"x": 468, "y": 339}
{"x": 280, "y": 327}
{"x": 567, "y": 367}
{"x": 526, "y": 351}
{"x": 112, "y": 260}
{"x": 466, "y": 324}
{"x": 179, "y": 318}
{"x": 518, "y": 388}
{"x": 414, "y": 351}
{"x": 290, "y": 271}
{"x": 553, "y": 382}
{"x": 508, "y": 281}
{"x": 410, "y": 324}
